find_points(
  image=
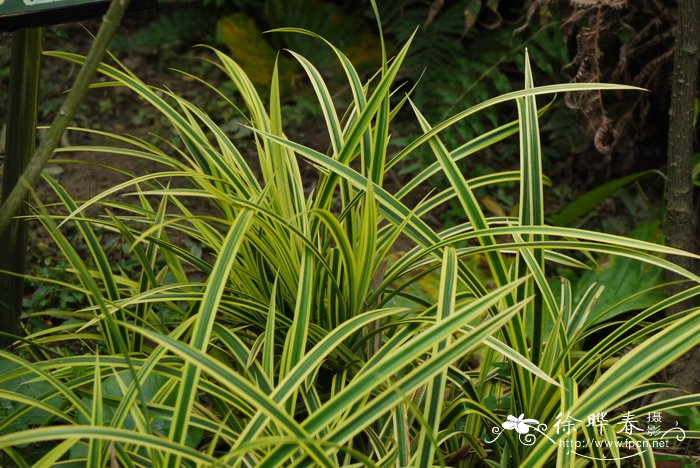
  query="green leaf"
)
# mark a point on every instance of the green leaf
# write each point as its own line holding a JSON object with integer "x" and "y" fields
{"x": 590, "y": 200}
{"x": 623, "y": 278}
{"x": 635, "y": 367}
{"x": 28, "y": 390}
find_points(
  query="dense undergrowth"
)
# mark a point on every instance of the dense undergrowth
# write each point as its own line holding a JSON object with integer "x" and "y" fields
{"x": 294, "y": 340}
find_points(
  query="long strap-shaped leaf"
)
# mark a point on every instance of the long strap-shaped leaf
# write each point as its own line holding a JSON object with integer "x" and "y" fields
{"x": 216, "y": 284}
{"x": 480, "y": 142}
{"x": 569, "y": 394}
{"x": 637, "y": 366}
{"x": 295, "y": 345}
{"x": 393, "y": 362}
{"x": 419, "y": 375}
{"x": 93, "y": 243}
{"x": 184, "y": 127}
{"x": 288, "y": 191}
{"x": 311, "y": 361}
{"x": 466, "y": 197}
{"x": 531, "y": 201}
{"x": 326, "y": 101}
{"x": 629, "y": 244}
{"x": 389, "y": 206}
{"x": 536, "y": 91}
{"x": 44, "y": 434}
{"x": 237, "y": 385}
{"x": 436, "y": 387}
{"x": 358, "y": 129}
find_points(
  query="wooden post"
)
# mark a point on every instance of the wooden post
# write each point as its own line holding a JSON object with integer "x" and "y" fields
{"x": 19, "y": 148}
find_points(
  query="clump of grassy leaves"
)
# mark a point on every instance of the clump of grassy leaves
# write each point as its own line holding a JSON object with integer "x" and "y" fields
{"x": 296, "y": 342}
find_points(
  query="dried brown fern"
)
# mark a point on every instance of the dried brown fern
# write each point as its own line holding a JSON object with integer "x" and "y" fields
{"x": 616, "y": 41}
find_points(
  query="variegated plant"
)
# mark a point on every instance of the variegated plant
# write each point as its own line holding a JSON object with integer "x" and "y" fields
{"x": 295, "y": 342}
